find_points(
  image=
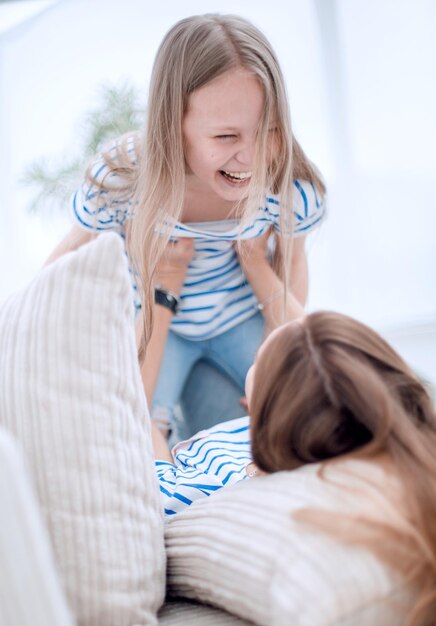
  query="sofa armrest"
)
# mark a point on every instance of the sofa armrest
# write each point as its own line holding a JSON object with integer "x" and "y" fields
{"x": 30, "y": 590}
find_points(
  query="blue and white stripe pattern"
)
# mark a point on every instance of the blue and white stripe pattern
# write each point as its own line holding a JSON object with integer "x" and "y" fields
{"x": 209, "y": 460}
{"x": 216, "y": 295}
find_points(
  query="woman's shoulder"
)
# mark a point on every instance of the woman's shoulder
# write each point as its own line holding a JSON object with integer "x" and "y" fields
{"x": 206, "y": 462}
{"x": 231, "y": 427}
{"x": 232, "y": 430}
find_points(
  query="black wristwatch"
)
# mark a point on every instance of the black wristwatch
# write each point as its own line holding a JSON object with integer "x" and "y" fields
{"x": 167, "y": 299}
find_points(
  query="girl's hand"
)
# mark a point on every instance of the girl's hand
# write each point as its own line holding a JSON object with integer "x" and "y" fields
{"x": 252, "y": 251}
{"x": 171, "y": 269}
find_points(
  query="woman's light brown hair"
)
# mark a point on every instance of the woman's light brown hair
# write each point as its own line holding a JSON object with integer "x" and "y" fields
{"x": 329, "y": 386}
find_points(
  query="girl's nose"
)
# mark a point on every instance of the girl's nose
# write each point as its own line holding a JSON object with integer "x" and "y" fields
{"x": 245, "y": 154}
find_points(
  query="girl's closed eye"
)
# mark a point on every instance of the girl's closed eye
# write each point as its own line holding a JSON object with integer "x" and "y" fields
{"x": 224, "y": 137}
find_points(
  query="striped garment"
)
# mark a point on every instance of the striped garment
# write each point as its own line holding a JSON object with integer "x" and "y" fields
{"x": 204, "y": 463}
{"x": 216, "y": 295}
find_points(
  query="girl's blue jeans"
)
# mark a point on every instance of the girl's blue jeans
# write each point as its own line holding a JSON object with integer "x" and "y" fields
{"x": 206, "y": 378}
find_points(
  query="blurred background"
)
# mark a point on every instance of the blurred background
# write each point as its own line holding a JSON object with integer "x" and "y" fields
{"x": 361, "y": 82}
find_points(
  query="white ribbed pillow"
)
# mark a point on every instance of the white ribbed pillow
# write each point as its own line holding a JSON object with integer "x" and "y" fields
{"x": 241, "y": 550}
{"x": 71, "y": 393}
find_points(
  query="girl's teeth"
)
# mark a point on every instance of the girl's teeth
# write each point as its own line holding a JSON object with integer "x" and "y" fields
{"x": 237, "y": 175}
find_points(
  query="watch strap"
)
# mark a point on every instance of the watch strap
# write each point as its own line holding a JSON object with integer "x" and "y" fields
{"x": 166, "y": 299}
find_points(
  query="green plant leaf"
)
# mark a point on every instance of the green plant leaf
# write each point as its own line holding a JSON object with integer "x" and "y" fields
{"x": 118, "y": 111}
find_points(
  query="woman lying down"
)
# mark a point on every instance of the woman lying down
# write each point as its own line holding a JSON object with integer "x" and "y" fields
{"x": 323, "y": 386}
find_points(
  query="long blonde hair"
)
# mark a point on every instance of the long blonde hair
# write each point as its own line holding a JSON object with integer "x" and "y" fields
{"x": 194, "y": 52}
{"x": 329, "y": 386}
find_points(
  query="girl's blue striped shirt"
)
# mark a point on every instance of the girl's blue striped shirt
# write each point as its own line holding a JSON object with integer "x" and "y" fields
{"x": 216, "y": 295}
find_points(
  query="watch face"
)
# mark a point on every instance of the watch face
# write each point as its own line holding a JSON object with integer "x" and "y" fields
{"x": 171, "y": 303}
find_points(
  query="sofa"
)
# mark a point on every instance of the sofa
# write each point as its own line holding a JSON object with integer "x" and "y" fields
{"x": 83, "y": 540}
